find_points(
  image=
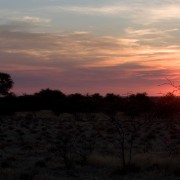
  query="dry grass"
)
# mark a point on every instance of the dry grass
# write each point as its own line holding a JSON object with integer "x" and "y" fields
{"x": 108, "y": 161}
{"x": 159, "y": 161}
{"x": 30, "y": 146}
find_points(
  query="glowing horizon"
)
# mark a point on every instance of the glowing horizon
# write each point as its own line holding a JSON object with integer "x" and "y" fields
{"x": 88, "y": 47}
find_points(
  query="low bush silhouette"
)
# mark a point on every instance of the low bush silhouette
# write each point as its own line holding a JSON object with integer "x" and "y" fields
{"x": 56, "y": 101}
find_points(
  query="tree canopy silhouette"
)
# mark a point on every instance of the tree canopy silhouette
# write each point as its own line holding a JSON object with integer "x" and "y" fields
{"x": 6, "y": 83}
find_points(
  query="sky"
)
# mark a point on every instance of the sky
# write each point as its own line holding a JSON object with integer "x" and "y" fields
{"x": 97, "y": 46}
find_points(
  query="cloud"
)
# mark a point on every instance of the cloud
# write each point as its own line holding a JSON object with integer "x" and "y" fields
{"x": 155, "y": 14}
{"x": 81, "y": 61}
{"x": 167, "y": 12}
{"x": 33, "y": 20}
{"x": 82, "y": 48}
{"x": 24, "y": 24}
{"x": 117, "y": 79}
{"x": 135, "y": 11}
{"x": 81, "y": 32}
{"x": 149, "y": 31}
{"x": 91, "y": 10}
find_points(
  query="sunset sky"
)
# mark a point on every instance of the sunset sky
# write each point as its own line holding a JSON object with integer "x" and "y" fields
{"x": 119, "y": 46}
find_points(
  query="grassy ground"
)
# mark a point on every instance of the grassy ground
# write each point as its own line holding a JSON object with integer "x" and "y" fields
{"x": 88, "y": 146}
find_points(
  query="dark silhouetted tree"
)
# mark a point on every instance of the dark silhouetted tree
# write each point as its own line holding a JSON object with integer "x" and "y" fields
{"x": 137, "y": 104}
{"x": 6, "y": 83}
{"x": 168, "y": 106}
{"x": 50, "y": 99}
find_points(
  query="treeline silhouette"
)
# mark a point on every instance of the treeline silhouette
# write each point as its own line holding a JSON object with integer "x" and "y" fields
{"x": 58, "y": 102}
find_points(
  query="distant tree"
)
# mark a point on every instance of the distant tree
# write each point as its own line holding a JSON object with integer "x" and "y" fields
{"x": 168, "y": 105}
{"x": 138, "y": 103}
{"x": 6, "y": 83}
{"x": 51, "y": 94}
{"x": 112, "y": 103}
{"x": 51, "y": 100}
{"x": 176, "y": 87}
{"x": 97, "y": 96}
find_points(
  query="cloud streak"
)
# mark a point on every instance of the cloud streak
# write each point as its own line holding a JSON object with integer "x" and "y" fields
{"x": 138, "y": 12}
{"x": 82, "y": 61}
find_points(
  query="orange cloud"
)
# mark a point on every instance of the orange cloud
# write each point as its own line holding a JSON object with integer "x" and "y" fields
{"x": 81, "y": 61}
